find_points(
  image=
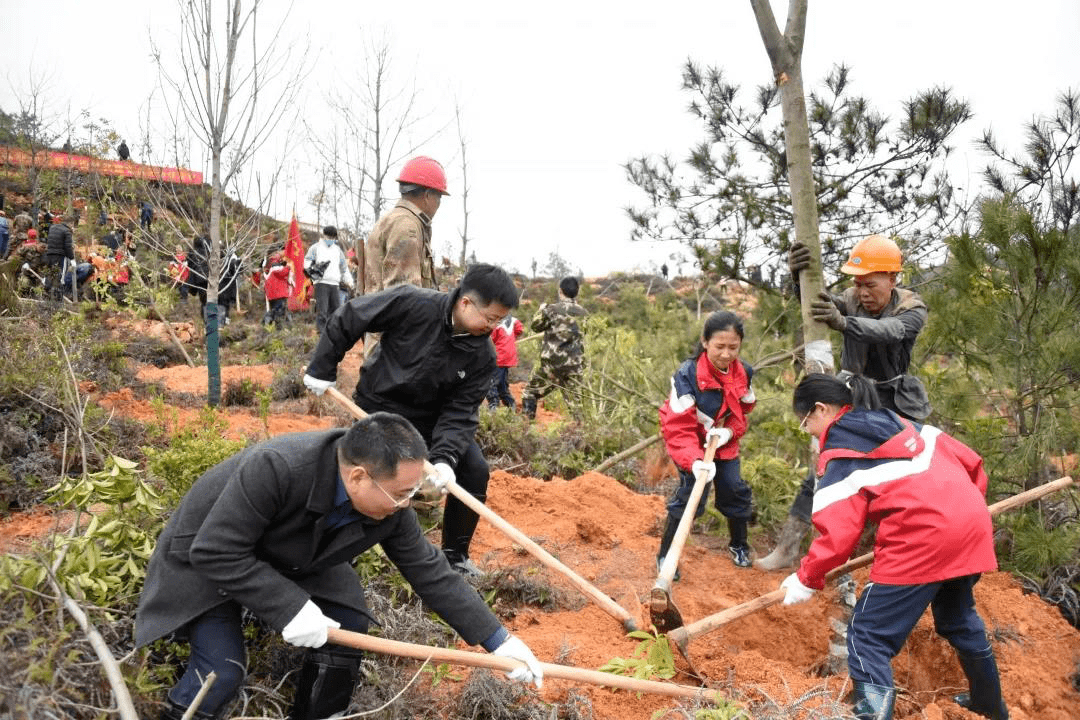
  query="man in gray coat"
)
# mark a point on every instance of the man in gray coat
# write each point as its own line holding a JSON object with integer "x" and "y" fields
{"x": 879, "y": 323}
{"x": 273, "y": 529}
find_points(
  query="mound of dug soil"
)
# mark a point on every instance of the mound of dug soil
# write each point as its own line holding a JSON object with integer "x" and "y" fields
{"x": 606, "y": 533}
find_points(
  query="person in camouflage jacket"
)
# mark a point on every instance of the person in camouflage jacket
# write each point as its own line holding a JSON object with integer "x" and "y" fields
{"x": 562, "y": 354}
{"x": 398, "y": 250}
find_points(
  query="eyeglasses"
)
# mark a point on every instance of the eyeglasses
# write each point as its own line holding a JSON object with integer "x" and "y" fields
{"x": 491, "y": 320}
{"x": 402, "y": 502}
{"x": 802, "y": 425}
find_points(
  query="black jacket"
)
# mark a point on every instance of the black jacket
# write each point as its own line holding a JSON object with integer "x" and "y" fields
{"x": 253, "y": 529}
{"x": 58, "y": 244}
{"x": 419, "y": 369}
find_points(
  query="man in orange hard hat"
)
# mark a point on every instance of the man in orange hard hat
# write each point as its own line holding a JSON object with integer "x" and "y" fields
{"x": 398, "y": 250}
{"x": 879, "y": 323}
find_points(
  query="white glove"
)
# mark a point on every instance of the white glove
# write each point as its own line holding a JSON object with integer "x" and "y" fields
{"x": 443, "y": 476}
{"x": 515, "y": 649}
{"x": 796, "y": 591}
{"x": 308, "y": 628}
{"x": 749, "y": 397}
{"x": 708, "y": 467}
{"x": 722, "y": 435}
{"x": 316, "y": 385}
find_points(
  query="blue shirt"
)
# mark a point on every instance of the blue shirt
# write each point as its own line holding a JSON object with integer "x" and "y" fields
{"x": 343, "y": 512}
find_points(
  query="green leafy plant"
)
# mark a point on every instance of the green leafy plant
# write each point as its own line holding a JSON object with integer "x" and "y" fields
{"x": 441, "y": 672}
{"x": 107, "y": 560}
{"x": 652, "y": 658}
{"x": 723, "y": 709}
{"x": 243, "y": 393}
{"x": 191, "y": 451}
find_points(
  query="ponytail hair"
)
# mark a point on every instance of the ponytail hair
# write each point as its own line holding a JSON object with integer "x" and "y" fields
{"x": 717, "y": 321}
{"x": 857, "y": 391}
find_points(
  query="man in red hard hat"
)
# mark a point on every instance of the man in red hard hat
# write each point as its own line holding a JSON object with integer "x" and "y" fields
{"x": 398, "y": 250}
{"x": 879, "y": 323}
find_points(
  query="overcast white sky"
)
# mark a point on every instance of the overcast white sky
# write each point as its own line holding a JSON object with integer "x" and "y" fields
{"x": 557, "y": 95}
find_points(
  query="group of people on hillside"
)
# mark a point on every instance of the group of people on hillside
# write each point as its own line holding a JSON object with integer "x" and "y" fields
{"x": 50, "y": 255}
{"x": 273, "y": 530}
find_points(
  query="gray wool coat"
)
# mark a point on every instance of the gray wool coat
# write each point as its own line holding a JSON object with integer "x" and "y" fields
{"x": 253, "y": 529}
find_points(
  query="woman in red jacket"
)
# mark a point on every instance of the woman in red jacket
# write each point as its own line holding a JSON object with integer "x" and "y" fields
{"x": 710, "y": 396}
{"x": 926, "y": 492}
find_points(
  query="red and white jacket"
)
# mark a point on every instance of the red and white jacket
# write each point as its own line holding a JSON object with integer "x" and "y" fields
{"x": 702, "y": 397}
{"x": 925, "y": 490}
{"x": 505, "y": 337}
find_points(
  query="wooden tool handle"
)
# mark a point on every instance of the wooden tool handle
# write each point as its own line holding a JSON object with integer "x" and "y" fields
{"x": 493, "y": 662}
{"x": 671, "y": 559}
{"x": 603, "y": 601}
{"x": 707, "y": 624}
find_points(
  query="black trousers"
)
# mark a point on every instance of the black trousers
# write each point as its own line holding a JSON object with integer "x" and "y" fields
{"x": 459, "y": 522}
{"x": 327, "y": 301}
{"x": 217, "y": 644}
{"x": 500, "y": 388}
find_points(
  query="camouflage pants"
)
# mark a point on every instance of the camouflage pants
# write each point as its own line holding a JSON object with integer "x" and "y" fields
{"x": 546, "y": 379}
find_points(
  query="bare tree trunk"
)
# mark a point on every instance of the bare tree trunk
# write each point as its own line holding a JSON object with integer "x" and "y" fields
{"x": 785, "y": 54}
{"x": 464, "y": 191}
{"x": 213, "y": 360}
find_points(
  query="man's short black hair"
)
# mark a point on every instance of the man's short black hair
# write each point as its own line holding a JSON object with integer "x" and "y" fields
{"x": 379, "y": 442}
{"x": 330, "y": 231}
{"x": 488, "y": 284}
{"x": 569, "y": 286}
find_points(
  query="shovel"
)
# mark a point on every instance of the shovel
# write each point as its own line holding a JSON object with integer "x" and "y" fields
{"x": 681, "y": 636}
{"x": 493, "y": 662}
{"x": 665, "y": 616}
{"x": 591, "y": 591}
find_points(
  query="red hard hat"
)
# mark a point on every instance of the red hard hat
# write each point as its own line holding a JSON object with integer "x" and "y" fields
{"x": 424, "y": 171}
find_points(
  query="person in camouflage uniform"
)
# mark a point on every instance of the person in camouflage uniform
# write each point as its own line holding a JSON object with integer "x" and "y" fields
{"x": 20, "y": 227}
{"x": 562, "y": 354}
{"x": 398, "y": 250}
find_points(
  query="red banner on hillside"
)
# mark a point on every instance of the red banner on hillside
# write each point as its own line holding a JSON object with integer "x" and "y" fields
{"x": 84, "y": 163}
{"x": 300, "y": 297}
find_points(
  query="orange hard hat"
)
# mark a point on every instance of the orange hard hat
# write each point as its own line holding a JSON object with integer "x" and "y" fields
{"x": 424, "y": 171}
{"x": 874, "y": 253}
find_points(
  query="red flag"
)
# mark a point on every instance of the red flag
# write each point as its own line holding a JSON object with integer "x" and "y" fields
{"x": 294, "y": 253}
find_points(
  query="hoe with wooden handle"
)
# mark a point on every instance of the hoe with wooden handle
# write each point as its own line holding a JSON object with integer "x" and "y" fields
{"x": 493, "y": 662}
{"x": 681, "y": 636}
{"x": 591, "y": 591}
{"x": 665, "y": 616}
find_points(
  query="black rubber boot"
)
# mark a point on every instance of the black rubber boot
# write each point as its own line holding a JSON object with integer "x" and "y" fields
{"x": 984, "y": 682}
{"x": 459, "y": 525}
{"x": 172, "y": 711}
{"x": 528, "y": 406}
{"x": 326, "y": 684}
{"x": 665, "y": 544}
{"x": 873, "y": 702}
{"x": 739, "y": 547}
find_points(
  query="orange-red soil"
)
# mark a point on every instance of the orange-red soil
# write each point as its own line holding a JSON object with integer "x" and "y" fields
{"x": 607, "y": 534}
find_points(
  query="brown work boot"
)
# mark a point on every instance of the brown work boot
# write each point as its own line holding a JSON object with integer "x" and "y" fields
{"x": 788, "y": 547}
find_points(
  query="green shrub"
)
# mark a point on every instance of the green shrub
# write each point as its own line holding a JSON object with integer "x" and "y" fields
{"x": 191, "y": 452}
{"x": 243, "y": 393}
